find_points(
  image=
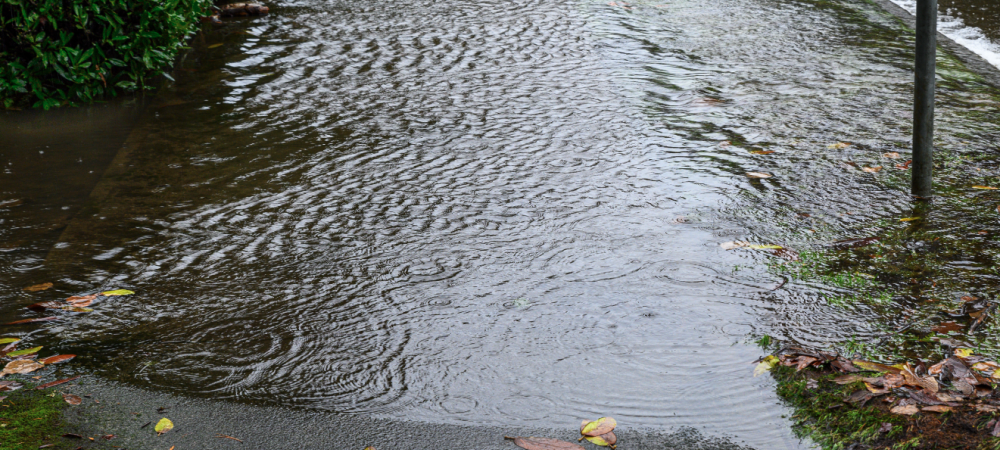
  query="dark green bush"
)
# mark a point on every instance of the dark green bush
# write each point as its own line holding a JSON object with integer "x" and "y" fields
{"x": 58, "y": 52}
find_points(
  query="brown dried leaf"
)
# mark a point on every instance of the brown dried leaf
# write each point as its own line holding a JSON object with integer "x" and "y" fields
{"x": 986, "y": 408}
{"x": 72, "y": 399}
{"x": 892, "y": 380}
{"x": 891, "y": 155}
{"x": 848, "y": 379}
{"x": 44, "y": 305}
{"x": 57, "y": 382}
{"x": 875, "y": 390}
{"x": 40, "y": 319}
{"x": 875, "y": 169}
{"x": 874, "y": 366}
{"x": 537, "y": 443}
{"x": 907, "y": 410}
{"x": 38, "y": 287}
{"x": 937, "y": 408}
{"x": 84, "y": 300}
{"x": 945, "y": 327}
{"x": 844, "y": 366}
{"x": 21, "y": 366}
{"x": 859, "y": 396}
{"x": 758, "y": 175}
{"x": 56, "y": 359}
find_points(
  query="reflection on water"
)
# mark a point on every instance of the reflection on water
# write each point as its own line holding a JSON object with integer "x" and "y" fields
{"x": 473, "y": 211}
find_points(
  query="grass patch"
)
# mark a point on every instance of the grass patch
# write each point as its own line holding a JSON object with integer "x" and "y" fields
{"x": 30, "y": 418}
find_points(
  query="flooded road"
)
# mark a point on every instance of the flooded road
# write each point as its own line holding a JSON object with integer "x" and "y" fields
{"x": 481, "y": 212}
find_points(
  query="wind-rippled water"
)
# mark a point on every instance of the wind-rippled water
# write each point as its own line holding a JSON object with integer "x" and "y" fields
{"x": 485, "y": 212}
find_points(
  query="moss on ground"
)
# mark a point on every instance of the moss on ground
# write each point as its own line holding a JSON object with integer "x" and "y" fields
{"x": 30, "y": 418}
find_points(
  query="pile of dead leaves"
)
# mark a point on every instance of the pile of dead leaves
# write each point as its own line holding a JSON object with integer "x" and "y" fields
{"x": 598, "y": 432}
{"x": 963, "y": 381}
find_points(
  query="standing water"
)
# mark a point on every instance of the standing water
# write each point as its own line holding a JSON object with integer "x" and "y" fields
{"x": 476, "y": 212}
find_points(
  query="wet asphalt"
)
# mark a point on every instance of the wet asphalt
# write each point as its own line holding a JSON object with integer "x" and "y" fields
{"x": 131, "y": 414}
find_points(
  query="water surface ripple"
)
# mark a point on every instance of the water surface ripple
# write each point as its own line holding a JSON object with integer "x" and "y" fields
{"x": 491, "y": 211}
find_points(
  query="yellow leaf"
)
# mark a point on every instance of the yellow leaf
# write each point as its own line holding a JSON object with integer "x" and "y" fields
{"x": 765, "y": 365}
{"x": 599, "y": 427}
{"x": 995, "y": 374}
{"x": 872, "y": 169}
{"x": 963, "y": 352}
{"x": 909, "y": 219}
{"x": 733, "y": 244}
{"x": 38, "y": 287}
{"x": 838, "y": 145}
{"x": 164, "y": 425}
{"x": 605, "y": 440}
{"x": 762, "y": 152}
{"x": 765, "y": 247}
{"x": 8, "y": 340}
{"x": 985, "y": 187}
{"x": 117, "y": 292}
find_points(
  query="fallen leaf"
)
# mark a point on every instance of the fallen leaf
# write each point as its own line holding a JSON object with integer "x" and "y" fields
{"x": 843, "y": 365}
{"x": 369, "y": 448}
{"x": 537, "y": 443}
{"x": 937, "y": 408}
{"x": 893, "y": 381}
{"x": 764, "y": 247}
{"x": 599, "y": 427}
{"x": 56, "y": 383}
{"x": 44, "y": 305}
{"x": 21, "y": 366}
{"x": 8, "y": 340}
{"x": 72, "y": 436}
{"x": 56, "y": 359}
{"x": 885, "y": 428}
{"x": 762, "y": 152}
{"x": 40, "y": 319}
{"x": 861, "y": 396}
{"x": 838, "y": 145}
{"x": 985, "y": 366}
{"x": 108, "y": 437}
{"x": 986, "y": 408}
{"x": 26, "y": 351}
{"x": 758, "y": 175}
{"x": 214, "y": 46}
{"x": 117, "y": 292}
{"x": 875, "y": 169}
{"x": 907, "y": 410}
{"x": 891, "y": 155}
{"x": 985, "y": 187}
{"x": 9, "y": 385}
{"x": 848, "y": 379}
{"x": 804, "y": 361}
{"x": 72, "y": 399}
{"x": 38, "y": 287}
{"x": 947, "y": 397}
{"x": 968, "y": 298}
{"x": 875, "y": 389}
{"x": 909, "y": 219}
{"x": 904, "y": 166}
{"x": 875, "y": 367}
{"x": 765, "y": 365}
{"x": 733, "y": 245}
{"x": 963, "y": 352}
{"x": 84, "y": 300}
{"x": 163, "y": 426}
{"x": 78, "y": 309}
{"x": 605, "y": 440}
{"x": 223, "y": 436}
{"x": 945, "y": 327}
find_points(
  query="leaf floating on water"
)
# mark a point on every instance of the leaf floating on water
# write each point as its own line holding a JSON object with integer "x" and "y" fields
{"x": 909, "y": 219}
{"x": 765, "y": 247}
{"x": 57, "y": 382}
{"x": 838, "y": 146}
{"x": 875, "y": 169}
{"x": 945, "y": 327}
{"x": 79, "y": 309}
{"x": 733, "y": 245}
{"x": 599, "y": 427}
{"x": 83, "y": 300}
{"x": 537, "y": 443}
{"x": 985, "y": 187}
{"x": 38, "y": 287}
{"x": 26, "y": 351}
{"x": 369, "y": 448}
{"x": 8, "y": 340}
{"x": 117, "y": 292}
{"x": 904, "y": 166}
{"x": 40, "y": 319}
{"x": 762, "y": 152}
{"x": 163, "y": 426}
{"x": 907, "y": 410}
{"x": 21, "y": 366}
{"x": 758, "y": 175}
{"x": 605, "y": 440}
{"x": 56, "y": 359}
{"x": 765, "y": 365}
{"x": 72, "y": 399}
{"x": 891, "y": 155}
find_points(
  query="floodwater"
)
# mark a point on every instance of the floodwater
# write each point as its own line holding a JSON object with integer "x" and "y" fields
{"x": 474, "y": 212}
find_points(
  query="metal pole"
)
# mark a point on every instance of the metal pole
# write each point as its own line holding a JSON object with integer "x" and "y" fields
{"x": 923, "y": 99}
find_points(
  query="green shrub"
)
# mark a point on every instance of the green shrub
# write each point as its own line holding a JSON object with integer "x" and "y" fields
{"x": 58, "y": 52}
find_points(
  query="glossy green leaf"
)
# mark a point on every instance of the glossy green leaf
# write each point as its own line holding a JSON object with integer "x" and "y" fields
{"x": 26, "y": 351}
{"x": 117, "y": 292}
{"x": 8, "y": 340}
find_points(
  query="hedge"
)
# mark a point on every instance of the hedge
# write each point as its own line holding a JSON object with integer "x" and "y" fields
{"x": 60, "y": 52}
